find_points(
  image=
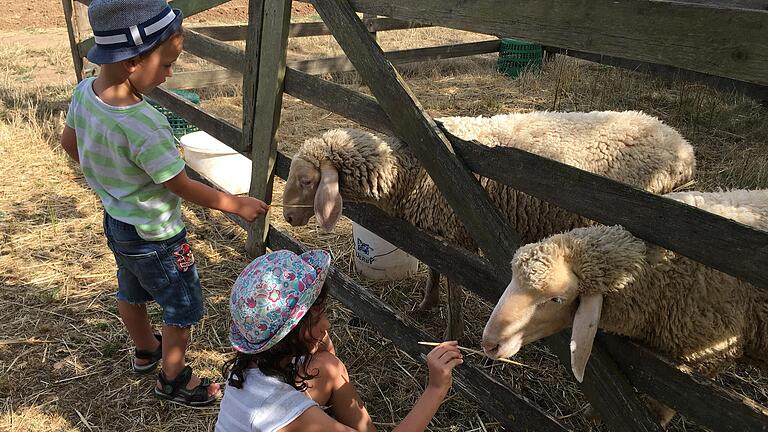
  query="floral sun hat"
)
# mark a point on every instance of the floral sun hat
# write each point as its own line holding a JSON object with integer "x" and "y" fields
{"x": 272, "y": 294}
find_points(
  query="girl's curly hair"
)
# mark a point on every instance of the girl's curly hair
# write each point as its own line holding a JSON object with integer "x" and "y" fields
{"x": 293, "y": 346}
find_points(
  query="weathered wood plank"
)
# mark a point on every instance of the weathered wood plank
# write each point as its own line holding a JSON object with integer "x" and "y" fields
{"x": 427, "y": 142}
{"x": 303, "y": 29}
{"x": 203, "y": 79}
{"x": 216, "y": 52}
{"x": 670, "y": 72}
{"x": 338, "y": 99}
{"x": 216, "y": 127}
{"x": 606, "y": 388}
{"x": 744, "y": 4}
{"x": 713, "y": 240}
{"x": 234, "y": 58}
{"x": 716, "y": 40}
{"x": 77, "y": 55}
{"x": 266, "y": 50}
{"x": 414, "y": 55}
{"x": 697, "y": 398}
{"x": 705, "y": 237}
{"x": 513, "y": 411}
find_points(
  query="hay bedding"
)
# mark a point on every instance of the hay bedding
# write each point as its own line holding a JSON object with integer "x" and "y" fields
{"x": 64, "y": 354}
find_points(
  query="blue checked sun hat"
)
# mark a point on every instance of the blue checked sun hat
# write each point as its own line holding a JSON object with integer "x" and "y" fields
{"x": 123, "y": 29}
{"x": 271, "y": 296}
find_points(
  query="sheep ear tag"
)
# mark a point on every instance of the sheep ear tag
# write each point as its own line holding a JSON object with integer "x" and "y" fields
{"x": 583, "y": 332}
{"x": 328, "y": 202}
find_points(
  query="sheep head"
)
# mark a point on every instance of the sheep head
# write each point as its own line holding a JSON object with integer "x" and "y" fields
{"x": 366, "y": 162}
{"x": 560, "y": 282}
{"x": 312, "y": 188}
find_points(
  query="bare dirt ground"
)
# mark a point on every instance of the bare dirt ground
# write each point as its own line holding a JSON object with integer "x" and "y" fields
{"x": 64, "y": 354}
{"x": 37, "y": 14}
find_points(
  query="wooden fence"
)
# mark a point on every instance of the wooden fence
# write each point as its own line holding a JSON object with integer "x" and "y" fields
{"x": 677, "y": 35}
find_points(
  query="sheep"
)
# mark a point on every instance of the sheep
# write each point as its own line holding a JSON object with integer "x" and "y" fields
{"x": 602, "y": 276}
{"x": 630, "y": 146}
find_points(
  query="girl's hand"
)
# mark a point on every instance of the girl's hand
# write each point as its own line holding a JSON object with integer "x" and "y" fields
{"x": 250, "y": 208}
{"x": 441, "y": 361}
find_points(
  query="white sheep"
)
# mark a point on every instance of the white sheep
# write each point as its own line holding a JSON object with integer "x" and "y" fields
{"x": 630, "y": 147}
{"x": 603, "y": 276}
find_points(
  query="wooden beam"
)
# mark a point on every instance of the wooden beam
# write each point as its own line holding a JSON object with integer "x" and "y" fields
{"x": 758, "y": 92}
{"x": 697, "y": 398}
{"x": 513, "y": 411}
{"x": 266, "y": 48}
{"x": 711, "y": 239}
{"x": 607, "y": 387}
{"x": 460, "y": 188}
{"x": 303, "y": 29}
{"x": 69, "y": 18}
{"x": 336, "y": 98}
{"x": 716, "y": 40}
{"x": 214, "y": 51}
{"x": 203, "y": 79}
{"x": 744, "y": 4}
{"x": 234, "y": 58}
{"x": 414, "y": 55}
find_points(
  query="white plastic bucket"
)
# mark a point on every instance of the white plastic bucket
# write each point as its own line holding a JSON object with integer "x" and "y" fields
{"x": 375, "y": 258}
{"x": 220, "y": 164}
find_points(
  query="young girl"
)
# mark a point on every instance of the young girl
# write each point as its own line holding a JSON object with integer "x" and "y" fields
{"x": 285, "y": 368}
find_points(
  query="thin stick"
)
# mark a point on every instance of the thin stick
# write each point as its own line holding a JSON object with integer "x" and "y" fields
{"x": 470, "y": 350}
{"x": 291, "y": 205}
{"x": 21, "y": 341}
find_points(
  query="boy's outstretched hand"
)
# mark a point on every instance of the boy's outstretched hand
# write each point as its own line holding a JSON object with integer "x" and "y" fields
{"x": 250, "y": 208}
{"x": 441, "y": 361}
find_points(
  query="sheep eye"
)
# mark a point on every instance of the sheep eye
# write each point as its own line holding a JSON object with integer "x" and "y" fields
{"x": 557, "y": 300}
{"x": 305, "y": 182}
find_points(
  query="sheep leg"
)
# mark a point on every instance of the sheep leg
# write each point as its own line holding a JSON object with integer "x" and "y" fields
{"x": 431, "y": 291}
{"x": 455, "y": 328}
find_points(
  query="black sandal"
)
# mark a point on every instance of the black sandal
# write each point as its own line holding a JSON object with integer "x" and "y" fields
{"x": 176, "y": 390}
{"x": 154, "y": 358}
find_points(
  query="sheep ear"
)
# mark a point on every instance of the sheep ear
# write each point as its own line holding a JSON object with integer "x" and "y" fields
{"x": 327, "y": 198}
{"x": 583, "y": 332}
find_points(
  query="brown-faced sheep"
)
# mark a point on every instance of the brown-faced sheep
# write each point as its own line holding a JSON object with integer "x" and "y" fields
{"x": 602, "y": 276}
{"x": 630, "y": 147}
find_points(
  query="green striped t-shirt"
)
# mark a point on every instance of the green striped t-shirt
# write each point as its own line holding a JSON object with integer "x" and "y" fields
{"x": 126, "y": 153}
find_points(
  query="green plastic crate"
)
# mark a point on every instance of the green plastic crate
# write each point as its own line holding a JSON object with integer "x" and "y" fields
{"x": 179, "y": 126}
{"x": 516, "y": 56}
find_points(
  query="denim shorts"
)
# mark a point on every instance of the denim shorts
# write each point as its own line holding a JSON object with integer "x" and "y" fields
{"x": 163, "y": 271}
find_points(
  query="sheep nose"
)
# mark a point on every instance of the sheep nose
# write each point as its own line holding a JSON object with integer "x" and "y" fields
{"x": 491, "y": 349}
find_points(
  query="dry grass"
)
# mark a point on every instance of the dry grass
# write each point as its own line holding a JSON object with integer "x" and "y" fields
{"x": 64, "y": 355}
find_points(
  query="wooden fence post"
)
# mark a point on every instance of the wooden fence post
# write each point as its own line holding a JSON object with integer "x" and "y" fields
{"x": 71, "y": 18}
{"x": 264, "y": 70}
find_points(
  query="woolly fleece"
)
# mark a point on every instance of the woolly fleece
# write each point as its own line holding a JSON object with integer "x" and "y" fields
{"x": 684, "y": 309}
{"x": 630, "y": 147}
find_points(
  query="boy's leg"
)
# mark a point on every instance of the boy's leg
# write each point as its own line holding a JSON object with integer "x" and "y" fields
{"x": 332, "y": 387}
{"x": 137, "y": 323}
{"x": 175, "y": 343}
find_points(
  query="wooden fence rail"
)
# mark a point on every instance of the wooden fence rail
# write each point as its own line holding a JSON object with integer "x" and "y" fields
{"x": 304, "y": 29}
{"x": 717, "y": 39}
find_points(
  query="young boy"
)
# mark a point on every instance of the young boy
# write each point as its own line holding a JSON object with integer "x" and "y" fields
{"x": 129, "y": 158}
